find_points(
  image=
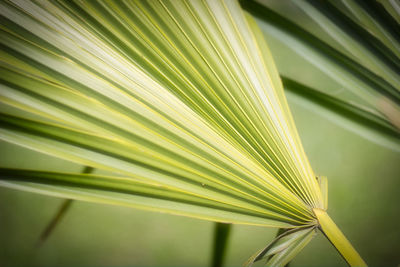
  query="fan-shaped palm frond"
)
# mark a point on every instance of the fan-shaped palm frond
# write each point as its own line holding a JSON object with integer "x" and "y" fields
{"x": 179, "y": 99}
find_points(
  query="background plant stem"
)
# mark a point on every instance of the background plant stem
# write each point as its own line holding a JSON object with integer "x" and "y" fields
{"x": 65, "y": 205}
{"x": 221, "y": 236}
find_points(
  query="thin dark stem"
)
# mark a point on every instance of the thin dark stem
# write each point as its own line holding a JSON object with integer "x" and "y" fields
{"x": 54, "y": 221}
{"x": 221, "y": 235}
{"x": 65, "y": 205}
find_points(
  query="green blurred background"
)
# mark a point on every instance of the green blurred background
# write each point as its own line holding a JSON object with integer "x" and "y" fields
{"x": 364, "y": 197}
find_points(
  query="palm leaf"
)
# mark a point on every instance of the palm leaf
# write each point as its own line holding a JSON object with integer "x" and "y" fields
{"x": 144, "y": 122}
{"x": 284, "y": 247}
{"x": 180, "y": 100}
{"x": 126, "y": 191}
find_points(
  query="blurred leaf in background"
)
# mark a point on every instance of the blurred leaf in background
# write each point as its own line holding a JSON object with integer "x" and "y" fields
{"x": 360, "y": 87}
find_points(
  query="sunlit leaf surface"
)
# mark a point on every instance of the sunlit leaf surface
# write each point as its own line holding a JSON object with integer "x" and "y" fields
{"x": 181, "y": 97}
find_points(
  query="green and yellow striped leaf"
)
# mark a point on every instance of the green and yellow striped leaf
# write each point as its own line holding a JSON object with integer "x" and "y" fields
{"x": 179, "y": 100}
{"x": 184, "y": 94}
